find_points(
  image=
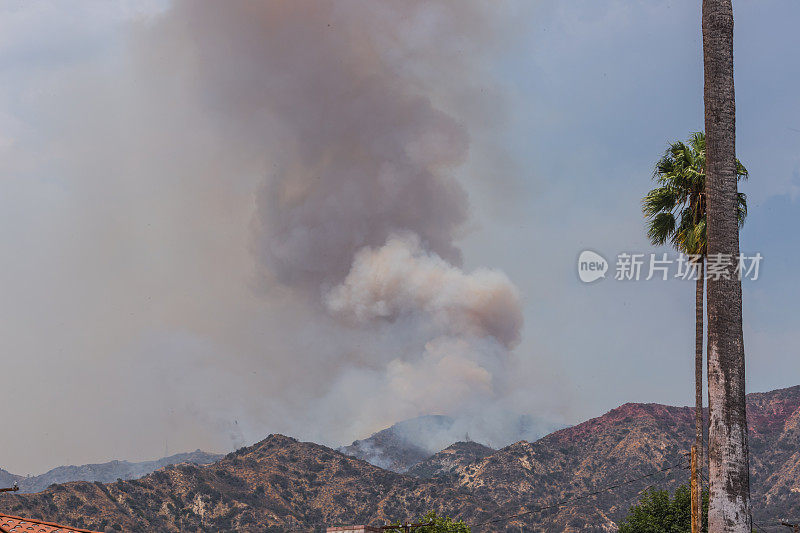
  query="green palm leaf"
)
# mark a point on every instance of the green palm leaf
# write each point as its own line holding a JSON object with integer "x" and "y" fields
{"x": 661, "y": 228}
{"x": 676, "y": 209}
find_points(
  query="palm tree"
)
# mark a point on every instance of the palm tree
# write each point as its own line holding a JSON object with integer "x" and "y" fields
{"x": 676, "y": 213}
{"x": 729, "y": 476}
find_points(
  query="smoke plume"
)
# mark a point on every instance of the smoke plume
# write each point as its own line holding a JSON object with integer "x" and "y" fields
{"x": 355, "y": 151}
{"x": 257, "y": 214}
{"x": 402, "y": 278}
{"x": 359, "y": 211}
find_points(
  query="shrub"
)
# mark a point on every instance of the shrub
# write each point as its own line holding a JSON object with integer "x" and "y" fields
{"x": 656, "y": 511}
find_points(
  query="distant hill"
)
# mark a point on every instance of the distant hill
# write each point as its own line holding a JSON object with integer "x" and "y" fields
{"x": 281, "y": 484}
{"x": 103, "y": 472}
{"x": 451, "y": 461}
{"x": 274, "y": 485}
{"x": 7, "y": 479}
{"x": 407, "y": 443}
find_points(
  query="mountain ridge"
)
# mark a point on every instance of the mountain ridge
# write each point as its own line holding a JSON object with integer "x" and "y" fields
{"x": 409, "y": 442}
{"x": 281, "y": 483}
{"x": 104, "y": 472}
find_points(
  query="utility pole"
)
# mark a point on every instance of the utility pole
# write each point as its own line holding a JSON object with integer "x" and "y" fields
{"x": 697, "y": 523}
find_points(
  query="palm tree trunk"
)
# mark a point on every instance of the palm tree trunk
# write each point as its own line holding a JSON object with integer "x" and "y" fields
{"x": 698, "y": 374}
{"x": 729, "y": 480}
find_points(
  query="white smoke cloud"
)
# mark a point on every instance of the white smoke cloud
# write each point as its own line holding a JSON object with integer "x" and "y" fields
{"x": 451, "y": 375}
{"x": 401, "y": 278}
{"x": 468, "y": 322}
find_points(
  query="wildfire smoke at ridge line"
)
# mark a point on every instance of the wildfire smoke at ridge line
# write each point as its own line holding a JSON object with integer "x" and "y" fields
{"x": 360, "y": 211}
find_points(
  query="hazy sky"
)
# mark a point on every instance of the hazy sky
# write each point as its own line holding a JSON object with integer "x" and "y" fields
{"x": 197, "y": 202}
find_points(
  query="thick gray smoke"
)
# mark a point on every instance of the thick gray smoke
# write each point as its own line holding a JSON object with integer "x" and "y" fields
{"x": 356, "y": 151}
{"x": 254, "y": 218}
{"x": 359, "y": 210}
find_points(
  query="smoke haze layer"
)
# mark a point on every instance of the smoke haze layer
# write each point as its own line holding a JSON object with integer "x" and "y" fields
{"x": 359, "y": 211}
{"x": 153, "y": 296}
{"x": 257, "y": 213}
{"x": 354, "y": 150}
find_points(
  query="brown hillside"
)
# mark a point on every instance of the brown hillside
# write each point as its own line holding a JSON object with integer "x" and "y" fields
{"x": 280, "y": 483}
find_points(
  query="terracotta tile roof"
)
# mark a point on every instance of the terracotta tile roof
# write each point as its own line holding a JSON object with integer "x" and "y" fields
{"x": 15, "y": 524}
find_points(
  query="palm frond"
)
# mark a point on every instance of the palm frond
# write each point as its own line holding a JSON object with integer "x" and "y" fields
{"x": 659, "y": 200}
{"x": 741, "y": 172}
{"x": 696, "y": 240}
{"x": 664, "y": 167}
{"x": 676, "y": 210}
{"x": 697, "y": 141}
{"x": 741, "y": 208}
{"x": 661, "y": 228}
{"x": 685, "y": 226}
{"x": 681, "y": 183}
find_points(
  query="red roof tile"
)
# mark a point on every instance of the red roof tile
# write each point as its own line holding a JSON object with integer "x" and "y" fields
{"x": 15, "y": 524}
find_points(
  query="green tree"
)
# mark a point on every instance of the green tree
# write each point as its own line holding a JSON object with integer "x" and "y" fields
{"x": 676, "y": 214}
{"x": 656, "y": 512}
{"x": 441, "y": 524}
